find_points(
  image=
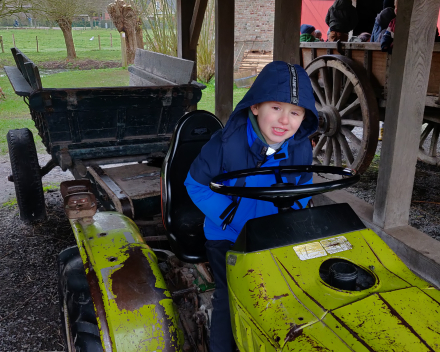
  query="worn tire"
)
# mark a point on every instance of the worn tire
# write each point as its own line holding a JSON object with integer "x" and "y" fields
{"x": 26, "y": 173}
{"x": 74, "y": 295}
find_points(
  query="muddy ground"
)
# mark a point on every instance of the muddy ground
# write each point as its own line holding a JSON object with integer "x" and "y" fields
{"x": 29, "y": 313}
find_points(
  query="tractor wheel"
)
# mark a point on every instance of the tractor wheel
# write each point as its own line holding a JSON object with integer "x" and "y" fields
{"x": 78, "y": 319}
{"x": 26, "y": 175}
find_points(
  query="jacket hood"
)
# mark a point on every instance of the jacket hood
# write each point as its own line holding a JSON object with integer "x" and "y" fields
{"x": 385, "y": 16}
{"x": 282, "y": 82}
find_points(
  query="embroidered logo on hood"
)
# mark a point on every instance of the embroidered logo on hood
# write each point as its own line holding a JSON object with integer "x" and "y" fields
{"x": 293, "y": 85}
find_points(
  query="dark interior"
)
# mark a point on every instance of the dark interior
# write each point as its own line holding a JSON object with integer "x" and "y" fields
{"x": 297, "y": 226}
{"x": 183, "y": 220}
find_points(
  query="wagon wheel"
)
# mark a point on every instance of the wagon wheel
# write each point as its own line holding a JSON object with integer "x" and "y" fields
{"x": 349, "y": 116}
{"x": 429, "y": 141}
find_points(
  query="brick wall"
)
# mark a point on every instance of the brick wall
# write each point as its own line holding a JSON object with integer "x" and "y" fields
{"x": 254, "y": 21}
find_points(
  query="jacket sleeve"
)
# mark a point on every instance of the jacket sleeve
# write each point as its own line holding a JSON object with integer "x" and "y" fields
{"x": 327, "y": 18}
{"x": 207, "y": 165}
{"x": 386, "y": 43}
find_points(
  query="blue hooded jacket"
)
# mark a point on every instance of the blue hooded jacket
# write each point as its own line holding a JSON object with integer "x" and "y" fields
{"x": 238, "y": 147}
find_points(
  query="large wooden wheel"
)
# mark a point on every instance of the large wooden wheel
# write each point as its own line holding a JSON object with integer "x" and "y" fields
{"x": 348, "y": 111}
{"x": 429, "y": 141}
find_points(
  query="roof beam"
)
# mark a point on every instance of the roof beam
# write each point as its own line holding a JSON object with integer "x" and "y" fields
{"x": 286, "y": 31}
{"x": 224, "y": 58}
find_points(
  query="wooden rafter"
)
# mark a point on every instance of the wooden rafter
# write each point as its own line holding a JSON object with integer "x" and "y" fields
{"x": 196, "y": 22}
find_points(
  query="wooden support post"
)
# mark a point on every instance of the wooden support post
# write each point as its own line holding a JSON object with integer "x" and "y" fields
{"x": 99, "y": 41}
{"x": 36, "y": 38}
{"x": 13, "y": 40}
{"x": 196, "y": 22}
{"x": 111, "y": 41}
{"x": 286, "y": 31}
{"x": 1, "y": 43}
{"x": 224, "y": 58}
{"x": 408, "y": 77}
{"x": 123, "y": 50}
{"x": 185, "y": 10}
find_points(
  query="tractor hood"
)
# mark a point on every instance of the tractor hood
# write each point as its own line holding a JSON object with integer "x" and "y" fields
{"x": 280, "y": 298}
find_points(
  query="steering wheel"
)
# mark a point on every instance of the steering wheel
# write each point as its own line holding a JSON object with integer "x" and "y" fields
{"x": 284, "y": 195}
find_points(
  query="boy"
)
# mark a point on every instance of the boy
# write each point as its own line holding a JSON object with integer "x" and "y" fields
{"x": 269, "y": 127}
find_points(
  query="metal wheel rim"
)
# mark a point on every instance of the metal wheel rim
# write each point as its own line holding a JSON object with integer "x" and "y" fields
{"x": 355, "y": 96}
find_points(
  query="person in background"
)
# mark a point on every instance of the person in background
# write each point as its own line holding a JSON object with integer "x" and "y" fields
{"x": 382, "y": 21}
{"x": 307, "y": 33}
{"x": 361, "y": 38}
{"x": 386, "y": 42}
{"x": 318, "y": 35}
{"x": 341, "y": 18}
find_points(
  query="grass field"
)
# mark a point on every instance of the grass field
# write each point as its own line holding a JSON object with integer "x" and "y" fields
{"x": 53, "y": 48}
{"x": 14, "y": 113}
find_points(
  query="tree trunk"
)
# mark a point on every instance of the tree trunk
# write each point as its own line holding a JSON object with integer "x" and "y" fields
{"x": 66, "y": 27}
{"x": 125, "y": 19}
{"x": 139, "y": 34}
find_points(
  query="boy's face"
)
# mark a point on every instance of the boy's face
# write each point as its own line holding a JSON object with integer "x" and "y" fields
{"x": 278, "y": 121}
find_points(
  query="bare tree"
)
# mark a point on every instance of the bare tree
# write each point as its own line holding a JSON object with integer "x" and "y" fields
{"x": 126, "y": 18}
{"x": 11, "y": 7}
{"x": 63, "y": 12}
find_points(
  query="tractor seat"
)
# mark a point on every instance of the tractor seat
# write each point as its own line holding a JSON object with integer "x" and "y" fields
{"x": 181, "y": 217}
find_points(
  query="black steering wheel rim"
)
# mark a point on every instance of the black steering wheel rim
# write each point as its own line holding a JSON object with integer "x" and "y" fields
{"x": 284, "y": 194}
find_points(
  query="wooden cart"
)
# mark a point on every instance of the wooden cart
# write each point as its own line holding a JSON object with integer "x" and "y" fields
{"x": 350, "y": 82}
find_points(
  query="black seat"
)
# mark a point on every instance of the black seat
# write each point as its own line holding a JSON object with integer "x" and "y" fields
{"x": 182, "y": 219}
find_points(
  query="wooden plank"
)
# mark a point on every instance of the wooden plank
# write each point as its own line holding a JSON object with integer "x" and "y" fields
{"x": 19, "y": 84}
{"x": 408, "y": 74}
{"x": 358, "y": 56}
{"x": 379, "y": 66}
{"x": 321, "y": 52}
{"x": 138, "y": 181}
{"x": 307, "y": 56}
{"x": 224, "y": 58}
{"x": 196, "y": 22}
{"x": 185, "y": 10}
{"x": 319, "y": 45}
{"x": 286, "y": 31}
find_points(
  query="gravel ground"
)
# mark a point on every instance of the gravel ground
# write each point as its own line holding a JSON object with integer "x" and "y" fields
{"x": 29, "y": 313}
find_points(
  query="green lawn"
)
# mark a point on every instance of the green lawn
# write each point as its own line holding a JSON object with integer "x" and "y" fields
{"x": 14, "y": 113}
{"x": 53, "y": 48}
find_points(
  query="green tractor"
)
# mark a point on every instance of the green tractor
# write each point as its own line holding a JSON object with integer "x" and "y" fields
{"x": 314, "y": 279}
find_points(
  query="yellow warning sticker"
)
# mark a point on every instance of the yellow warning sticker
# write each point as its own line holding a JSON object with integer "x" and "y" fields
{"x": 310, "y": 251}
{"x": 322, "y": 248}
{"x": 337, "y": 244}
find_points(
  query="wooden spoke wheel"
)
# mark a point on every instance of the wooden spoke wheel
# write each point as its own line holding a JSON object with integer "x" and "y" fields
{"x": 429, "y": 141}
{"x": 348, "y": 113}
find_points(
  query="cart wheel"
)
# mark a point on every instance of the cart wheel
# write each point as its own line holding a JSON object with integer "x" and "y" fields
{"x": 26, "y": 173}
{"x": 78, "y": 319}
{"x": 349, "y": 115}
{"x": 429, "y": 141}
